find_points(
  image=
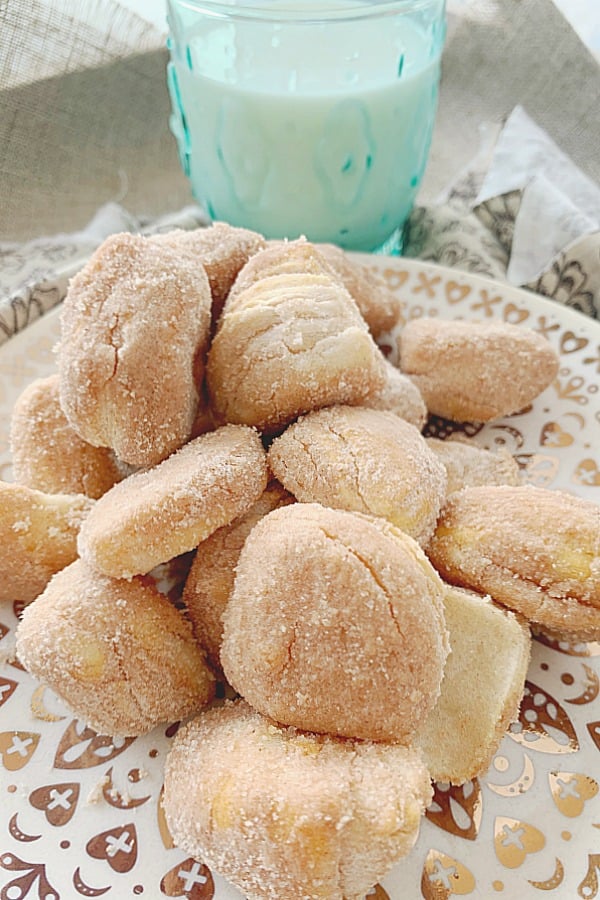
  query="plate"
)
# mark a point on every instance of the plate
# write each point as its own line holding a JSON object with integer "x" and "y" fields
{"x": 80, "y": 814}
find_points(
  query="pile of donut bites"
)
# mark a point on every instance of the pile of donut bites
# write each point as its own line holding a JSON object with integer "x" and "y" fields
{"x": 366, "y": 591}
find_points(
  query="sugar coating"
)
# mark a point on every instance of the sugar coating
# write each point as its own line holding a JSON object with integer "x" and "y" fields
{"x": 117, "y": 652}
{"x": 400, "y": 396}
{"x": 38, "y": 537}
{"x": 48, "y": 455}
{"x": 220, "y": 249}
{"x": 468, "y": 465}
{"x": 210, "y": 580}
{"x": 379, "y": 307}
{"x": 365, "y": 460}
{"x": 157, "y": 514}
{"x": 291, "y": 816}
{"x": 134, "y": 332}
{"x": 288, "y": 343}
{"x": 533, "y": 550}
{"x": 335, "y": 624}
{"x": 476, "y": 371}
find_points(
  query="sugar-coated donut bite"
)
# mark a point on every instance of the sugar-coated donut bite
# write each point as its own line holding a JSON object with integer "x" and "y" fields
{"x": 221, "y": 249}
{"x": 117, "y": 652}
{"x": 474, "y": 372}
{"x": 280, "y": 257}
{"x": 135, "y": 326}
{"x": 400, "y": 396}
{"x": 335, "y": 625}
{"x": 379, "y": 307}
{"x": 48, "y": 455}
{"x": 481, "y": 689}
{"x": 533, "y": 550}
{"x": 210, "y": 580}
{"x": 468, "y": 465}
{"x": 38, "y": 537}
{"x": 160, "y": 513}
{"x": 291, "y": 816}
{"x": 365, "y": 460}
{"x": 289, "y": 343}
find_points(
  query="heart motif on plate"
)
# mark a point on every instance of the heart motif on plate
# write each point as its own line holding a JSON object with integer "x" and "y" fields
{"x": 571, "y": 791}
{"x": 189, "y": 879}
{"x": 587, "y": 472}
{"x": 118, "y": 847}
{"x": 57, "y": 801}
{"x": 513, "y": 315}
{"x": 17, "y": 748}
{"x": 554, "y": 436}
{"x": 456, "y": 293}
{"x": 515, "y": 840}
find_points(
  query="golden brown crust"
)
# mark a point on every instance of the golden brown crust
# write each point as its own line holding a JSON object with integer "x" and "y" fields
{"x": 119, "y": 654}
{"x": 481, "y": 689}
{"x": 210, "y": 580}
{"x": 38, "y": 537}
{"x": 379, "y": 307}
{"x": 468, "y": 465}
{"x": 347, "y": 627}
{"x": 533, "y": 550}
{"x": 364, "y": 460}
{"x": 48, "y": 455}
{"x": 160, "y": 513}
{"x": 476, "y": 371}
{"x": 135, "y": 326}
{"x": 289, "y": 343}
{"x": 291, "y": 816}
{"x": 221, "y": 249}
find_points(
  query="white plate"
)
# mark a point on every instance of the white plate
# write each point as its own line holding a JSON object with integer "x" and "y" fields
{"x": 79, "y": 816}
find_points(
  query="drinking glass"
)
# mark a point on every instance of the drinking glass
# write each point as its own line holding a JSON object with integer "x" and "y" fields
{"x": 296, "y": 118}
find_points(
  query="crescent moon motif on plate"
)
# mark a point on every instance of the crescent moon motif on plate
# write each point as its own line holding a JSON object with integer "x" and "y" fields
{"x": 19, "y": 835}
{"x": 553, "y": 882}
{"x": 591, "y": 688}
{"x": 520, "y": 785}
{"x": 84, "y": 889}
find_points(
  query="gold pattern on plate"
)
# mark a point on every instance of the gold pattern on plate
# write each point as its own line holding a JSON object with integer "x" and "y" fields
{"x": 591, "y": 688}
{"x": 543, "y": 724}
{"x": 38, "y": 709}
{"x": 587, "y": 472}
{"x": 569, "y": 648}
{"x": 515, "y": 840}
{"x": 589, "y": 886}
{"x": 17, "y": 748}
{"x": 520, "y": 785}
{"x": 457, "y": 809}
{"x": 553, "y": 435}
{"x": 443, "y": 877}
{"x": 554, "y": 881}
{"x": 571, "y": 790}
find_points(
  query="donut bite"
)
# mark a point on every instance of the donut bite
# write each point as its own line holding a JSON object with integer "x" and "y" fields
{"x": 117, "y": 652}
{"x": 134, "y": 333}
{"x": 38, "y": 537}
{"x": 287, "y": 343}
{"x": 221, "y": 249}
{"x": 533, "y": 550}
{"x": 468, "y": 465}
{"x": 160, "y": 513}
{"x": 286, "y": 815}
{"x": 210, "y": 580}
{"x": 476, "y": 371}
{"x": 481, "y": 689}
{"x": 365, "y": 460}
{"x": 48, "y": 455}
{"x": 335, "y": 625}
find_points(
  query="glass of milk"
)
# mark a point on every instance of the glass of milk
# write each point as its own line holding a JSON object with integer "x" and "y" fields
{"x": 306, "y": 117}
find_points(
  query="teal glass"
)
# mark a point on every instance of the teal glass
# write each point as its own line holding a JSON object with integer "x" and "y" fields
{"x": 306, "y": 118}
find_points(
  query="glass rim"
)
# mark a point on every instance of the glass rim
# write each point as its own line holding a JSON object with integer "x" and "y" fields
{"x": 345, "y": 10}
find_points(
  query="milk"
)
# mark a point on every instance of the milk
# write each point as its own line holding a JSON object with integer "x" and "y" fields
{"x": 293, "y": 129}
